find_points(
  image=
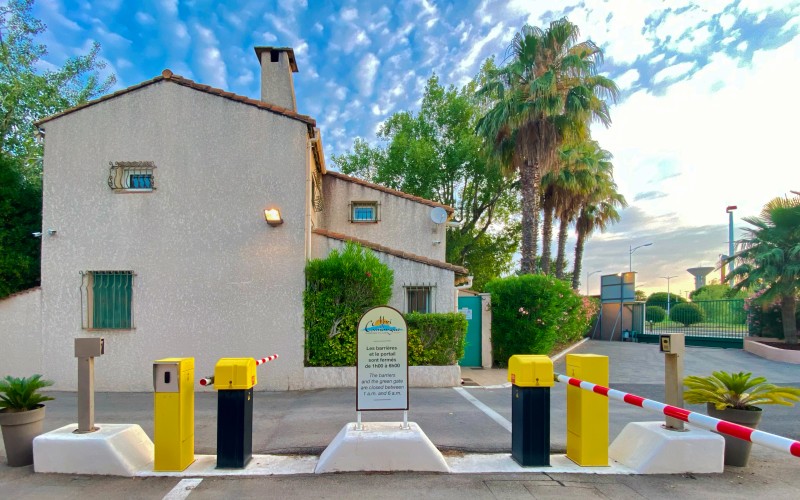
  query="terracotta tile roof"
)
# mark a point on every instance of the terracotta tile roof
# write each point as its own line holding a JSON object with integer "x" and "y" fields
{"x": 385, "y": 189}
{"x": 168, "y": 75}
{"x": 392, "y": 251}
{"x": 22, "y": 292}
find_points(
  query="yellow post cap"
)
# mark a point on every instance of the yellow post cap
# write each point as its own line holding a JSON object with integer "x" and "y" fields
{"x": 530, "y": 370}
{"x": 234, "y": 374}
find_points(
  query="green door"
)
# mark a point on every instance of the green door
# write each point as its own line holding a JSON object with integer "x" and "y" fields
{"x": 471, "y": 308}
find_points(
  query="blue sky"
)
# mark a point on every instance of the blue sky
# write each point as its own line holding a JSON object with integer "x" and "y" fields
{"x": 707, "y": 116}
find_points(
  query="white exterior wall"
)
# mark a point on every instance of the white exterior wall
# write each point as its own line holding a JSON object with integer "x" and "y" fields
{"x": 406, "y": 272}
{"x": 212, "y": 278}
{"x": 21, "y": 334}
{"x": 404, "y": 224}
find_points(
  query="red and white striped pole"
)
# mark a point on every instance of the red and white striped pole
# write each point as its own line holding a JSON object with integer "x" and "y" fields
{"x": 773, "y": 441}
{"x": 266, "y": 360}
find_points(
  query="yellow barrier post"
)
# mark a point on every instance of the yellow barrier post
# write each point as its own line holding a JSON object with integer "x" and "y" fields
{"x": 587, "y": 412}
{"x": 173, "y": 384}
{"x": 234, "y": 379}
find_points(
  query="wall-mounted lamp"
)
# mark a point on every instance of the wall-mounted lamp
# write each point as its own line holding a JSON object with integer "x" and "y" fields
{"x": 273, "y": 217}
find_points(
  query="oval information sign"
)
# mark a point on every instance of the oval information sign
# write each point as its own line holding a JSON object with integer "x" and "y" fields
{"x": 382, "y": 368}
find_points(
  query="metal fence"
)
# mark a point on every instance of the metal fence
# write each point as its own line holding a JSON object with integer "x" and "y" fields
{"x": 712, "y": 323}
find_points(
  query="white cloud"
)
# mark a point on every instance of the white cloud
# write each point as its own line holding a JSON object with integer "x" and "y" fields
{"x": 674, "y": 71}
{"x": 368, "y": 69}
{"x": 145, "y": 18}
{"x": 169, "y": 6}
{"x": 627, "y": 79}
{"x": 466, "y": 64}
{"x": 209, "y": 58}
{"x": 349, "y": 14}
{"x": 269, "y": 37}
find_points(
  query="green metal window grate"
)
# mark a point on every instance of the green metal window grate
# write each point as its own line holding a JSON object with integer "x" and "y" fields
{"x": 107, "y": 298}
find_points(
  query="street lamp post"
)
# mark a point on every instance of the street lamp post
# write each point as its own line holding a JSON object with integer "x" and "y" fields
{"x": 588, "y": 274}
{"x": 729, "y": 211}
{"x": 630, "y": 254}
{"x": 668, "y": 278}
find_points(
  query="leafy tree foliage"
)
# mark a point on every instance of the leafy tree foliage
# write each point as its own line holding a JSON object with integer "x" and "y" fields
{"x": 436, "y": 154}
{"x": 340, "y": 288}
{"x": 768, "y": 259}
{"x": 531, "y": 313}
{"x": 716, "y": 292}
{"x": 29, "y": 94}
{"x": 20, "y": 215}
{"x": 655, "y": 314}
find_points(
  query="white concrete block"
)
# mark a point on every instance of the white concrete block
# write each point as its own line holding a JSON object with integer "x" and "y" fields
{"x": 649, "y": 448}
{"x": 381, "y": 446}
{"x": 114, "y": 450}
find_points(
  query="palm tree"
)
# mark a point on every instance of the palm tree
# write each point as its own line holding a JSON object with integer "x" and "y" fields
{"x": 598, "y": 212}
{"x": 769, "y": 258}
{"x": 566, "y": 188}
{"x": 547, "y": 94}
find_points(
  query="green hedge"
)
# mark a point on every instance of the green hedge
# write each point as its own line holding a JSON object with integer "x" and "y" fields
{"x": 435, "y": 339}
{"x": 339, "y": 289}
{"x": 531, "y": 313}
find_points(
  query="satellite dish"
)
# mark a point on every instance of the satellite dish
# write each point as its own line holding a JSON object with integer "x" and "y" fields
{"x": 438, "y": 215}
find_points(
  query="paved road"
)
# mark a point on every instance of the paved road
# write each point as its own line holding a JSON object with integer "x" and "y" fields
{"x": 305, "y": 422}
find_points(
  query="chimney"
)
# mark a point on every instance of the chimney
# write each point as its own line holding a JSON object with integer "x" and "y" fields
{"x": 277, "y": 66}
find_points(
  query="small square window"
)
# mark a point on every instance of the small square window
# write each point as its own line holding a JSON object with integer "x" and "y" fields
{"x": 419, "y": 299}
{"x": 361, "y": 211}
{"x": 107, "y": 300}
{"x": 135, "y": 176}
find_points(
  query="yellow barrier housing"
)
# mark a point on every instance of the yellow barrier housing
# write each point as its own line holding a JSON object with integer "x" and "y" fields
{"x": 231, "y": 374}
{"x": 587, "y": 412}
{"x": 173, "y": 433}
{"x": 531, "y": 370}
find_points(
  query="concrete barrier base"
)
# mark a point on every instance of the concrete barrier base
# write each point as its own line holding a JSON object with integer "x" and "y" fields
{"x": 649, "y": 448}
{"x": 381, "y": 446}
{"x": 114, "y": 450}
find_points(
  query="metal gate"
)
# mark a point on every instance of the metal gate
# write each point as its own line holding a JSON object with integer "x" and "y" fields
{"x": 471, "y": 308}
{"x": 709, "y": 323}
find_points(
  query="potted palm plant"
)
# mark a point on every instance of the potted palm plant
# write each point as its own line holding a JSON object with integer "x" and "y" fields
{"x": 736, "y": 397}
{"x": 21, "y": 416}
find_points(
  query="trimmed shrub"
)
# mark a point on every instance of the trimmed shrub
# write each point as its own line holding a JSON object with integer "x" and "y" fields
{"x": 531, "y": 313}
{"x": 340, "y": 288}
{"x": 687, "y": 314}
{"x": 435, "y": 339}
{"x": 655, "y": 314}
{"x": 660, "y": 299}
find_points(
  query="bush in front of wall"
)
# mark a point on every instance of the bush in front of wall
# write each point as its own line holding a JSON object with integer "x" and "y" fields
{"x": 531, "y": 313}
{"x": 339, "y": 289}
{"x": 435, "y": 339}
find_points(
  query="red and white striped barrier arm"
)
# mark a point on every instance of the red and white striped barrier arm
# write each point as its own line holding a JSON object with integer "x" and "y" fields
{"x": 266, "y": 360}
{"x": 207, "y": 381}
{"x": 773, "y": 441}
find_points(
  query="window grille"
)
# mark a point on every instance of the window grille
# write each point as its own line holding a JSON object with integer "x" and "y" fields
{"x": 107, "y": 300}
{"x": 364, "y": 211}
{"x": 419, "y": 298}
{"x": 131, "y": 176}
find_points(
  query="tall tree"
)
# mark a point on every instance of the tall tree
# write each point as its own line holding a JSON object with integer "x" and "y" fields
{"x": 598, "y": 211}
{"x": 436, "y": 154}
{"x": 27, "y": 93}
{"x": 546, "y": 95}
{"x": 769, "y": 259}
{"x": 20, "y": 216}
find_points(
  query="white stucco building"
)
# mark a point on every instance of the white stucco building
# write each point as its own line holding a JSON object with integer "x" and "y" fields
{"x": 155, "y": 235}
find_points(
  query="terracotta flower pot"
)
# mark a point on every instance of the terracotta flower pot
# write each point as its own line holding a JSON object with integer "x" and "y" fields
{"x": 19, "y": 429}
{"x": 737, "y": 451}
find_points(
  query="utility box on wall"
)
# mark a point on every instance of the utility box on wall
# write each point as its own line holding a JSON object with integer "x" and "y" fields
{"x": 173, "y": 384}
